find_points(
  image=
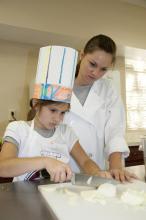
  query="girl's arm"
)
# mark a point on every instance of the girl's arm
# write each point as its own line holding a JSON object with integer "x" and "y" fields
{"x": 86, "y": 164}
{"x": 11, "y": 165}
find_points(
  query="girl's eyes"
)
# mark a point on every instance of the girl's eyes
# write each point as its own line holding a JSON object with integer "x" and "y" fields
{"x": 54, "y": 111}
{"x": 62, "y": 113}
{"x": 104, "y": 69}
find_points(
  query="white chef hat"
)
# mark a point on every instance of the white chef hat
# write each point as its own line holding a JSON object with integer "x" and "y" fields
{"x": 55, "y": 73}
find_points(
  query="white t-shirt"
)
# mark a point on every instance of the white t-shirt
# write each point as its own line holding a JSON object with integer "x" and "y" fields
{"x": 32, "y": 144}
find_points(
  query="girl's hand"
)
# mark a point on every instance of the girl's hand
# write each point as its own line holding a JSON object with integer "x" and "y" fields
{"x": 59, "y": 171}
{"x": 122, "y": 175}
{"x": 105, "y": 174}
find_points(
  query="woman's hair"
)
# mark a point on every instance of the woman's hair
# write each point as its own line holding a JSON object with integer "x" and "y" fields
{"x": 99, "y": 42}
{"x": 40, "y": 103}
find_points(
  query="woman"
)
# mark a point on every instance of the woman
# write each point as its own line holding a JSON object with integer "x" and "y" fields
{"x": 97, "y": 113}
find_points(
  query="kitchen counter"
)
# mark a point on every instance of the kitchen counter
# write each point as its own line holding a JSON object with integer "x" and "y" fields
{"x": 71, "y": 202}
{"x": 139, "y": 171}
{"x": 22, "y": 200}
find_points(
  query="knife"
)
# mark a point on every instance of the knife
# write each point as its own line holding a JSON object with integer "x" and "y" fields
{"x": 89, "y": 180}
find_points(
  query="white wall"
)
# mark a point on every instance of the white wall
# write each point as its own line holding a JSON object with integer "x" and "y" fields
{"x": 17, "y": 65}
{"x": 72, "y": 22}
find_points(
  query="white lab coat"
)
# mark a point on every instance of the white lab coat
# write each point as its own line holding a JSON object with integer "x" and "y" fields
{"x": 99, "y": 123}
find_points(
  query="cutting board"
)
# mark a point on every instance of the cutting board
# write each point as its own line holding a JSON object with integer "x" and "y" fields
{"x": 67, "y": 207}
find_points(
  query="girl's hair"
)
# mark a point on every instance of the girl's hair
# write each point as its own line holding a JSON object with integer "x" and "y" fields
{"x": 40, "y": 103}
{"x": 99, "y": 42}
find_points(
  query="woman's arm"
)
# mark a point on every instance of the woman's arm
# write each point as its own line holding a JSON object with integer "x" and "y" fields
{"x": 115, "y": 161}
{"x": 85, "y": 163}
{"x": 116, "y": 168}
{"x": 11, "y": 165}
{"x": 115, "y": 125}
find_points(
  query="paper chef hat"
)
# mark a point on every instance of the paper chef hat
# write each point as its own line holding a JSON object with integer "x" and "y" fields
{"x": 55, "y": 73}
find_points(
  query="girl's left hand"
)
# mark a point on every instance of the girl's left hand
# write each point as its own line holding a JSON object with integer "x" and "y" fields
{"x": 122, "y": 175}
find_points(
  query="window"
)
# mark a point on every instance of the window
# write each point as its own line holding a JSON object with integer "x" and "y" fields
{"x": 135, "y": 97}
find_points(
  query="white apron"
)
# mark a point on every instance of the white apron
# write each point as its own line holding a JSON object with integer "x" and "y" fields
{"x": 37, "y": 145}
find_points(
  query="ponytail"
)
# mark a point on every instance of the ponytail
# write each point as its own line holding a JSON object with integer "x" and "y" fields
{"x": 32, "y": 112}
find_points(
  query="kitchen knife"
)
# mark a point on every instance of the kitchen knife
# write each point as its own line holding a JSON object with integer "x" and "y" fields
{"x": 89, "y": 180}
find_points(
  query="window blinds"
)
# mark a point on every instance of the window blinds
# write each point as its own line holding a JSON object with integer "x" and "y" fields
{"x": 136, "y": 99}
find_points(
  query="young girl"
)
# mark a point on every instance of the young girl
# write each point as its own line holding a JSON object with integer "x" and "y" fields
{"x": 45, "y": 142}
{"x": 27, "y": 150}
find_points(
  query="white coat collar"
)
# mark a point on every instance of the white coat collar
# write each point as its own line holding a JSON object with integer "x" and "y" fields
{"x": 92, "y": 103}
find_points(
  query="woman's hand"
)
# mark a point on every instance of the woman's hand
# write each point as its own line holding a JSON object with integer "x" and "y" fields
{"x": 59, "y": 171}
{"x": 122, "y": 175}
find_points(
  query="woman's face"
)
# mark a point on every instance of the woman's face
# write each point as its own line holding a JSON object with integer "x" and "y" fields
{"x": 50, "y": 116}
{"x": 93, "y": 66}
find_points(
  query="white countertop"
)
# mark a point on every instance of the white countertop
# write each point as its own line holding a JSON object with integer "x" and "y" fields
{"x": 139, "y": 171}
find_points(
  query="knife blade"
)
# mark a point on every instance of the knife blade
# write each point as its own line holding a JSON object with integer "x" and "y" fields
{"x": 89, "y": 180}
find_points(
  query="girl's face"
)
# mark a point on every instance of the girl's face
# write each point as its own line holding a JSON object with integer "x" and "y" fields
{"x": 50, "y": 116}
{"x": 93, "y": 66}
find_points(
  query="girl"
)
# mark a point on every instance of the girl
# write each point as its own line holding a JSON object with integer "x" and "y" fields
{"x": 43, "y": 143}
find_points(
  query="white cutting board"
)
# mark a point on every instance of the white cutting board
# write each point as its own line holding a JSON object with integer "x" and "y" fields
{"x": 67, "y": 208}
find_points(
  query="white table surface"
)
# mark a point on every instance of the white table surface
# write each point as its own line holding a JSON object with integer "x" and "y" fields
{"x": 138, "y": 170}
